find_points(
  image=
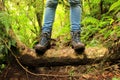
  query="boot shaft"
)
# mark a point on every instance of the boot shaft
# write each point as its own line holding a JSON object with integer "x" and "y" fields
{"x": 75, "y": 36}
{"x": 45, "y": 38}
{"x": 44, "y": 42}
{"x": 76, "y": 44}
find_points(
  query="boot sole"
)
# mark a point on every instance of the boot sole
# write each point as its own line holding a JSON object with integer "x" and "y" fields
{"x": 79, "y": 50}
{"x": 42, "y": 50}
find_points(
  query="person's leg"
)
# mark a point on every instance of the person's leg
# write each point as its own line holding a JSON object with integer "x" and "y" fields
{"x": 75, "y": 14}
{"x": 49, "y": 15}
{"x": 47, "y": 25}
{"x": 75, "y": 18}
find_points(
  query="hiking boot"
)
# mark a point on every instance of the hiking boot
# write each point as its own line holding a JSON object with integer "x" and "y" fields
{"x": 44, "y": 43}
{"x": 76, "y": 44}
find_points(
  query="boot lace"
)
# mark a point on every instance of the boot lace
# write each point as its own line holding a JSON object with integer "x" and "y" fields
{"x": 44, "y": 38}
{"x": 76, "y": 37}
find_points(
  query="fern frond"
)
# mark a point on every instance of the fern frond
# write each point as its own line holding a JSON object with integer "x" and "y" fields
{"x": 5, "y": 20}
{"x": 115, "y": 5}
{"x": 90, "y": 20}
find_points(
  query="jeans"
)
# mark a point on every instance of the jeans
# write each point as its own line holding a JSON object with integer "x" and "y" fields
{"x": 75, "y": 15}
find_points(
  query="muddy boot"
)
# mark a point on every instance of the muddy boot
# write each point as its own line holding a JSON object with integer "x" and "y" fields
{"x": 76, "y": 44}
{"x": 44, "y": 43}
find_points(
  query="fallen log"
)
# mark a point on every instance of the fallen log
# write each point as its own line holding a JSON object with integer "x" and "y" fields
{"x": 70, "y": 58}
{"x": 56, "y": 61}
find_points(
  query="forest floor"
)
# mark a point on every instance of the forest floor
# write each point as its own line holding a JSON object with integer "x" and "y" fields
{"x": 93, "y": 71}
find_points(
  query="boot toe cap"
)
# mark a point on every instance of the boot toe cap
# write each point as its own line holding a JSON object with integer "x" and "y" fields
{"x": 79, "y": 46}
{"x": 39, "y": 47}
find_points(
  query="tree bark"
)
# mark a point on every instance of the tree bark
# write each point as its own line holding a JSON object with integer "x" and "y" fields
{"x": 1, "y": 5}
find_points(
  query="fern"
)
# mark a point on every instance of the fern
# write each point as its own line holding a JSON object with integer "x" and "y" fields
{"x": 90, "y": 20}
{"x": 4, "y": 37}
{"x": 109, "y": 1}
{"x": 5, "y": 20}
{"x": 115, "y": 5}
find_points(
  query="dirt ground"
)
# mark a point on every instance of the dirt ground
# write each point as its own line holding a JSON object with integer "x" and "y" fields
{"x": 81, "y": 72}
{"x": 94, "y": 71}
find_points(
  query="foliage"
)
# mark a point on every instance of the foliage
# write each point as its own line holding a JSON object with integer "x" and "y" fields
{"x": 115, "y": 6}
{"x": 5, "y": 40}
{"x": 24, "y": 20}
{"x": 4, "y": 22}
{"x": 100, "y": 26}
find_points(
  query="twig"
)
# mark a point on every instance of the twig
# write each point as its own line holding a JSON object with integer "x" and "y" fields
{"x": 110, "y": 66}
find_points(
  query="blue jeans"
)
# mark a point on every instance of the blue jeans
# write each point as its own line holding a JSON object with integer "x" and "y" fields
{"x": 75, "y": 15}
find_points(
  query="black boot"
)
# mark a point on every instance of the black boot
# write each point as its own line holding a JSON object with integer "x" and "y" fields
{"x": 44, "y": 43}
{"x": 76, "y": 44}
